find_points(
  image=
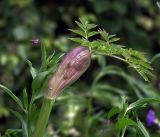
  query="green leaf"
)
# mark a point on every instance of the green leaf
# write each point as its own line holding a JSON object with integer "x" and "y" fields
{"x": 142, "y": 129}
{"x": 113, "y": 111}
{"x": 33, "y": 114}
{"x": 124, "y": 122}
{"x": 85, "y": 29}
{"x": 12, "y": 132}
{"x": 77, "y": 40}
{"x": 39, "y": 81}
{"x": 155, "y": 57}
{"x": 104, "y": 35}
{"x": 43, "y": 58}
{"x": 51, "y": 56}
{"x": 101, "y": 61}
{"x": 114, "y": 40}
{"x": 4, "y": 111}
{"x": 142, "y": 102}
{"x": 78, "y": 32}
{"x": 134, "y": 58}
{"x": 91, "y": 26}
{"x": 83, "y": 22}
{"x": 52, "y": 62}
{"x": 25, "y": 98}
{"x": 106, "y": 46}
{"x": 10, "y": 93}
{"x": 80, "y": 25}
{"x": 111, "y": 36}
{"x": 33, "y": 71}
{"x": 93, "y": 33}
{"x": 107, "y": 87}
{"x": 107, "y": 70}
{"x": 24, "y": 125}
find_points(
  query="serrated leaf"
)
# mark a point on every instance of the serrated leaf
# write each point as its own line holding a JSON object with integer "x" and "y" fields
{"x": 142, "y": 67}
{"x": 113, "y": 40}
{"x": 104, "y": 35}
{"x": 83, "y": 21}
{"x": 113, "y": 111}
{"x": 124, "y": 122}
{"x": 106, "y": 46}
{"x": 33, "y": 71}
{"x": 93, "y": 33}
{"x": 80, "y": 25}
{"x": 111, "y": 36}
{"x": 10, "y": 93}
{"x": 91, "y": 26}
{"x": 142, "y": 102}
{"x": 77, "y": 40}
{"x": 78, "y": 32}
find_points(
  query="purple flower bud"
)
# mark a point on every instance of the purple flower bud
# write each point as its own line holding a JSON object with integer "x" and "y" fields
{"x": 35, "y": 42}
{"x": 72, "y": 66}
{"x": 150, "y": 117}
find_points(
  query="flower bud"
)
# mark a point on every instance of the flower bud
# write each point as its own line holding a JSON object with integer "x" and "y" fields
{"x": 72, "y": 66}
{"x": 35, "y": 42}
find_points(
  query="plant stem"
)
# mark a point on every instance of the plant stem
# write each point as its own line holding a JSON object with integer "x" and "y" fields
{"x": 43, "y": 117}
{"x": 123, "y": 132}
{"x": 28, "y": 117}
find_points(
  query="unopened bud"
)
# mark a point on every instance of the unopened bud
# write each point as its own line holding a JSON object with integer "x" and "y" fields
{"x": 72, "y": 66}
{"x": 35, "y": 42}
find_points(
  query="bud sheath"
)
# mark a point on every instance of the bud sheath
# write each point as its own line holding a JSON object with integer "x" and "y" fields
{"x": 72, "y": 66}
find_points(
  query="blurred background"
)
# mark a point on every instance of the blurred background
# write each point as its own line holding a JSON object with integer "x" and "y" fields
{"x": 83, "y": 113}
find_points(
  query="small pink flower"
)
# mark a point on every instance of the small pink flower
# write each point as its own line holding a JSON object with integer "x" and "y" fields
{"x": 72, "y": 66}
{"x": 35, "y": 42}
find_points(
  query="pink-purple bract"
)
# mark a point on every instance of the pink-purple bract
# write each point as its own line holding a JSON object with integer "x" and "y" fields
{"x": 72, "y": 66}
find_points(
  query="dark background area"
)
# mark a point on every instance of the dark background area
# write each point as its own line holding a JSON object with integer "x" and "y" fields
{"x": 135, "y": 22}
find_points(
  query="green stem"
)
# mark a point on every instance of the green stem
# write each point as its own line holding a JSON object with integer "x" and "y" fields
{"x": 28, "y": 117}
{"x": 43, "y": 117}
{"x": 88, "y": 124}
{"x": 123, "y": 132}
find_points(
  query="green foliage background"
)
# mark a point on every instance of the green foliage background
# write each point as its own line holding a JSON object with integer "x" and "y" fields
{"x": 82, "y": 109}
